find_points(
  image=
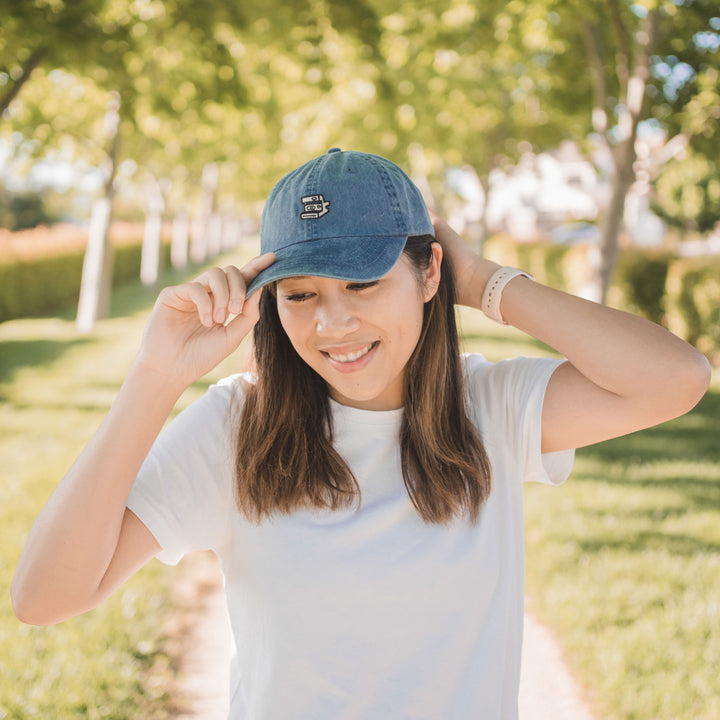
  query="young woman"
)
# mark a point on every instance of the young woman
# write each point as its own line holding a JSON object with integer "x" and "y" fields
{"x": 363, "y": 489}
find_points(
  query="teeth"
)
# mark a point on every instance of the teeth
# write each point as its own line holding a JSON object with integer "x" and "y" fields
{"x": 351, "y": 357}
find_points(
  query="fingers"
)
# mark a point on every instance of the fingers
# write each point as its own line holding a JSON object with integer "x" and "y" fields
{"x": 221, "y": 292}
{"x": 241, "y": 325}
{"x": 213, "y": 307}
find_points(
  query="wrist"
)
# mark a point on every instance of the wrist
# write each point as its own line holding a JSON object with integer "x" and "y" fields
{"x": 477, "y": 274}
{"x": 164, "y": 386}
{"x": 493, "y": 292}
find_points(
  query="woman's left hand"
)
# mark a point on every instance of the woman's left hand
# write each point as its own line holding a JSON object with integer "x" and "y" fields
{"x": 471, "y": 271}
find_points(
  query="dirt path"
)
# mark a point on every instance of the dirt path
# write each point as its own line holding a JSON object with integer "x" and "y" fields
{"x": 201, "y": 633}
{"x": 547, "y": 689}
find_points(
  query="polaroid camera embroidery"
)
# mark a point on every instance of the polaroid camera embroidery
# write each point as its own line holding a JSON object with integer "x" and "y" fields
{"x": 315, "y": 206}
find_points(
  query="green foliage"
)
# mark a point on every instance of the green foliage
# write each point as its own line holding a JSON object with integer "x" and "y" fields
{"x": 546, "y": 262}
{"x": 687, "y": 193}
{"x": 46, "y": 286}
{"x": 23, "y": 210}
{"x": 694, "y": 303}
{"x": 41, "y": 286}
{"x": 641, "y": 277}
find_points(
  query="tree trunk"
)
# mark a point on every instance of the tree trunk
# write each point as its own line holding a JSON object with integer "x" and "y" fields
{"x": 179, "y": 243}
{"x": 96, "y": 283}
{"x": 609, "y": 246}
{"x": 199, "y": 242}
{"x": 631, "y": 109}
{"x": 150, "y": 260}
{"x": 214, "y": 229}
{"x": 624, "y": 176}
{"x": 477, "y": 229}
{"x": 94, "y": 302}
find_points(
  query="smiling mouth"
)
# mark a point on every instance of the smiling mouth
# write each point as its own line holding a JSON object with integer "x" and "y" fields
{"x": 353, "y": 356}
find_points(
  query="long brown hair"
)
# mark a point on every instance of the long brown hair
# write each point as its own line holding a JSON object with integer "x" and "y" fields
{"x": 285, "y": 458}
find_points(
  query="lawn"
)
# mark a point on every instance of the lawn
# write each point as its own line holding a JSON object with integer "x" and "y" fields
{"x": 623, "y": 560}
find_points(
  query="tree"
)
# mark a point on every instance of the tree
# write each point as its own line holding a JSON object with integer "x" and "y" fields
{"x": 625, "y": 63}
{"x": 68, "y": 34}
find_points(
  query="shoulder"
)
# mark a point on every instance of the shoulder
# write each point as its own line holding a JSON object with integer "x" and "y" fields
{"x": 507, "y": 382}
{"x": 479, "y": 370}
{"x": 211, "y": 411}
{"x": 228, "y": 390}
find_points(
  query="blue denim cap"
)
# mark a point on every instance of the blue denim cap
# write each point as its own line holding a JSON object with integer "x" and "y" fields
{"x": 344, "y": 215}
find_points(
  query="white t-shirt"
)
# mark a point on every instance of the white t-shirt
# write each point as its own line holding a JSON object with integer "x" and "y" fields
{"x": 368, "y": 613}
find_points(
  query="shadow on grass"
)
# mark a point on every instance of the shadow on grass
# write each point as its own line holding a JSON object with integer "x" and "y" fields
{"x": 691, "y": 445}
{"x": 648, "y": 541}
{"x": 16, "y": 354}
{"x": 690, "y": 494}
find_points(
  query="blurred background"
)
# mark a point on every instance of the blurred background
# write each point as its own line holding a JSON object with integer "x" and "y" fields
{"x": 560, "y": 121}
{"x": 577, "y": 139}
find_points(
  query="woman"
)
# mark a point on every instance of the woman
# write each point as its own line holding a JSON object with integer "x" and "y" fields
{"x": 364, "y": 490}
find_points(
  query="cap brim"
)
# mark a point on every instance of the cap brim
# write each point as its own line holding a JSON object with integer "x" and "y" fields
{"x": 360, "y": 259}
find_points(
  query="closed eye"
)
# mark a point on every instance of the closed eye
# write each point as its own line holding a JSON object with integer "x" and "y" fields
{"x": 297, "y": 297}
{"x": 362, "y": 285}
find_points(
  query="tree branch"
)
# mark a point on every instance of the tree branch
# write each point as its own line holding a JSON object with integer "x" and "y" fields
{"x": 622, "y": 60}
{"x": 33, "y": 61}
{"x": 641, "y": 68}
{"x": 600, "y": 96}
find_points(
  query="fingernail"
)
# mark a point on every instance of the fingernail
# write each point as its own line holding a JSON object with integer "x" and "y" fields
{"x": 235, "y": 306}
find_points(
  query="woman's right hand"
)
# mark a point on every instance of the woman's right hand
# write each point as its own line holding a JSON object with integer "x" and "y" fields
{"x": 188, "y": 333}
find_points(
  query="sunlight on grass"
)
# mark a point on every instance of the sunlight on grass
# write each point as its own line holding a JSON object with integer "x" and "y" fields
{"x": 624, "y": 563}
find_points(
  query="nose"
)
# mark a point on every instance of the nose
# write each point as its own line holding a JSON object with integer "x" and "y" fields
{"x": 335, "y": 317}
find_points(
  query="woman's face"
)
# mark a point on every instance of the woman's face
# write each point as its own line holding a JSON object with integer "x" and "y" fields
{"x": 359, "y": 336}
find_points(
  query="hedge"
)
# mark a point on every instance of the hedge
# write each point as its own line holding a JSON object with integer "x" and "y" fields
{"x": 680, "y": 293}
{"x": 693, "y": 300}
{"x": 641, "y": 279}
{"x": 52, "y": 284}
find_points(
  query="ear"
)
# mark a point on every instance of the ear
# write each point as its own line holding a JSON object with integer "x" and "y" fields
{"x": 432, "y": 274}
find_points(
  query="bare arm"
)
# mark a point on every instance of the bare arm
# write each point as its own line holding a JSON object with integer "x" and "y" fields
{"x": 85, "y": 543}
{"x": 623, "y": 373}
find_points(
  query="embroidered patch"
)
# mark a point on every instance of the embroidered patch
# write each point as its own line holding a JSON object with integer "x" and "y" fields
{"x": 315, "y": 206}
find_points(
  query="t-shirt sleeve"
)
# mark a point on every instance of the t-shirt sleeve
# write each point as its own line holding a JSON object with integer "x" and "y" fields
{"x": 507, "y": 399}
{"x": 183, "y": 492}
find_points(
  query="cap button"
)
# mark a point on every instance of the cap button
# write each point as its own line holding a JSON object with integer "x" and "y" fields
{"x": 332, "y": 150}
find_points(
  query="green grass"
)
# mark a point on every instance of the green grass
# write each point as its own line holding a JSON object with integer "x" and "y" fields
{"x": 55, "y": 388}
{"x": 623, "y": 561}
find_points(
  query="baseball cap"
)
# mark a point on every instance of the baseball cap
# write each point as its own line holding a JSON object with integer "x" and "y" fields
{"x": 344, "y": 215}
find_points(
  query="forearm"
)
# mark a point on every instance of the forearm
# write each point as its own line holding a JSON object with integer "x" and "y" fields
{"x": 619, "y": 352}
{"x": 75, "y": 536}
